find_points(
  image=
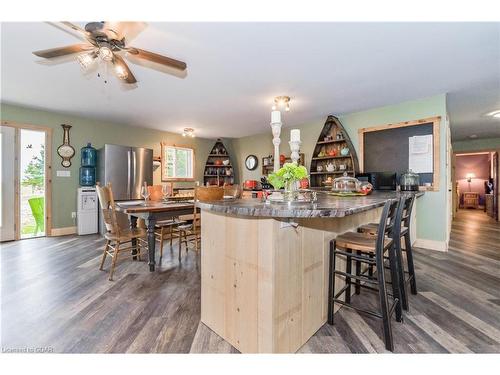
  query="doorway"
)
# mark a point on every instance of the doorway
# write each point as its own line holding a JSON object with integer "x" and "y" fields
{"x": 476, "y": 182}
{"x": 25, "y": 181}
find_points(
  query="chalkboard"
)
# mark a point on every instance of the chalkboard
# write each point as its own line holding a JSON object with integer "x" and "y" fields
{"x": 386, "y": 150}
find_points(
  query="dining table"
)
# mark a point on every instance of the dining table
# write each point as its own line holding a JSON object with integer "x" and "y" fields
{"x": 152, "y": 212}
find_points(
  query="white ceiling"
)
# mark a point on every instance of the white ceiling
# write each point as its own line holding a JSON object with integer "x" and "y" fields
{"x": 235, "y": 69}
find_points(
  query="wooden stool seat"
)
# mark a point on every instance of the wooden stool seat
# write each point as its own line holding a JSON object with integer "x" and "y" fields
{"x": 372, "y": 229}
{"x": 360, "y": 241}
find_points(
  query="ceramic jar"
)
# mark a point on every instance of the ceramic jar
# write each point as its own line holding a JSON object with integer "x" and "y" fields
{"x": 330, "y": 167}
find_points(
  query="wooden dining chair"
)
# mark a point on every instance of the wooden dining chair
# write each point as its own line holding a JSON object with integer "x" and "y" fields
{"x": 164, "y": 229}
{"x": 118, "y": 240}
{"x": 155, "y": 192}
{"x": 190, "y": 233}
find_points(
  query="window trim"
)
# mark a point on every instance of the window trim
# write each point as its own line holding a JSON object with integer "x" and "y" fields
{"x": 164, "y": 178}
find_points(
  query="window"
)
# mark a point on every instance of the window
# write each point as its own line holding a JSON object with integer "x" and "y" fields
{"x": 177, "y": 163}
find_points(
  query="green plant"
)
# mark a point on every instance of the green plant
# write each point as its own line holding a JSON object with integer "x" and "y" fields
{"x": 290, "y": 172}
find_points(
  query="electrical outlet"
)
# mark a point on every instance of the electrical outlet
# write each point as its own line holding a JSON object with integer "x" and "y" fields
{"x": 73, "y": 215}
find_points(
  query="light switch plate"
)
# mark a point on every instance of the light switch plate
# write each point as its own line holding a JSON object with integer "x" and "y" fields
{"x": 63, "y": 173}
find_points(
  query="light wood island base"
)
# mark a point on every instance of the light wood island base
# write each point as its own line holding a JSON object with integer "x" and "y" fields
{"x": 264, "y": 281}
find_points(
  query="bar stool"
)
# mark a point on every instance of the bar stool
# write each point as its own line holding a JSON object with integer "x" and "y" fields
{"x": 370, "y": 250}
{"x": 402, "y": 226}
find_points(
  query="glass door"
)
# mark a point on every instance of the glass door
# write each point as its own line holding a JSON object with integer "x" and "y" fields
{"x": 32, "y": 205}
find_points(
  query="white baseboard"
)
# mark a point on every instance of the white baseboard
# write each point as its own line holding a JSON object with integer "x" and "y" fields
{"x": 62, "y": 231}
{"x": 431, "y": 244}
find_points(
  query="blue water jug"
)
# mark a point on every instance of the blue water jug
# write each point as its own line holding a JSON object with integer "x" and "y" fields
{"x": 87, "y": 176}
{"x": 89, "y": 156}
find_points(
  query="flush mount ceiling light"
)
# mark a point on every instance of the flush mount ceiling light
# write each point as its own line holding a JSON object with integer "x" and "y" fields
{"x": 188, "y": 132}
{"x": 281, "y": 102}
{"x": 473, "y": 136}
{"x": 495, "y": 114}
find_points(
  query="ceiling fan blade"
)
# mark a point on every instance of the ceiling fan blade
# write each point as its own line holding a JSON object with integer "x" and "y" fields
{"x": 62, "y": 51}
{"x": 127, "y": 30}
{"x": 76, "y": 28}
{"x": 159, "y": 59}
{"x": 121, "y": 67}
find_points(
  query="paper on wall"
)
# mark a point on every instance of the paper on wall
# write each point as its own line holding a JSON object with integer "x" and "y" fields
{"x": 420, "y": 158}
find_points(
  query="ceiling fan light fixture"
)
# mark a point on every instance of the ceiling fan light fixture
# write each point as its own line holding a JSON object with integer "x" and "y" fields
{"x": 85, "y": 60}
{"x": 105, "y": 52}
{"x": 121, "y": 72}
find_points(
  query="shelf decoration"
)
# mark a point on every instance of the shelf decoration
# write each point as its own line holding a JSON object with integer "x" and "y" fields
{"x": 268, "y": 162}
{"x": 333, "y": 154}
{"x": 218, "y": 169}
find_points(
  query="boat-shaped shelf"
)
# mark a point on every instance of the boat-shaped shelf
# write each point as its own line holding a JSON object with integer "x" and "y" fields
{"x": 218, "y": 168}
{"x": 333, "y": 154}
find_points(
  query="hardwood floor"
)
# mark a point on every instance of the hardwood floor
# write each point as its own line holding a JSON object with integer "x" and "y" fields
{"x": 54, "y": 296}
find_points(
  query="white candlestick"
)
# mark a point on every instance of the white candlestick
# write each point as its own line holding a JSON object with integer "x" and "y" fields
{"x": 295, "y": 148}
{"x": 295, "y": 135}
{"x": 275, "y": 117}
{"x": 276, "y": 129}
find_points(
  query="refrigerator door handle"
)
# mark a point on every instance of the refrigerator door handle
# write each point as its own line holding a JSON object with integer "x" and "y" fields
{"x": 128, "y": 173}
{"x": 134, "y": 166}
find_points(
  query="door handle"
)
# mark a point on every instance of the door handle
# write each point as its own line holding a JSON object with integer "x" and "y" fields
{"x": 128, "y": 173}
{"x": 134, "y": 164}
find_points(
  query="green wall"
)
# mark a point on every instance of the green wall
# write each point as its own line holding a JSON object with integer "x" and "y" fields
{"x": 64, "y": 189}
{"x": 472, "y": 145}
{"x": 432, "y": 222}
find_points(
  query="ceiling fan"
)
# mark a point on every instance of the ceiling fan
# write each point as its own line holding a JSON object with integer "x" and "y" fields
{"x": 107, "y": 41}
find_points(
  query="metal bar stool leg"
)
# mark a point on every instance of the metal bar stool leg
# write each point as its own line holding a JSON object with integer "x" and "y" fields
{"x": 396, "y": 290}
{"x": 348, "y": 270}
{"x": 384, "y": 305}
{"x": 370, "y": 267}
{"x": 401, "y": 274}
{"x": 331, "y": 282}
{"x": 357, "y": 288}
{"x": 409, "y": 259}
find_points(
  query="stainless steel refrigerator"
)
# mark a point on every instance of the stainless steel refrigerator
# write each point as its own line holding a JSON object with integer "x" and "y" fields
{"x": 126, "y": 168}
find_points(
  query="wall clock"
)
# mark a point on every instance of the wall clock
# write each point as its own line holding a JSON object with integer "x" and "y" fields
{"x": 66, "y": 151}
{"x": 251, "y": 162}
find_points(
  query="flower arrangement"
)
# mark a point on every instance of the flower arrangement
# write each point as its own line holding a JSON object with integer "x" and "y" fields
{"x": 287, "y": 176}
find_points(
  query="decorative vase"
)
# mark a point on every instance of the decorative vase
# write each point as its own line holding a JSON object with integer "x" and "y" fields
{"x": 291, "y": 192}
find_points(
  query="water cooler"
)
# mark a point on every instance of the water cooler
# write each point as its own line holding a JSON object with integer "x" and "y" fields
{"x": 87, "y": 210}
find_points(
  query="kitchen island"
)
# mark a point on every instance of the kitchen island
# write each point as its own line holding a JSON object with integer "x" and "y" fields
{"x": 264, "y": 267}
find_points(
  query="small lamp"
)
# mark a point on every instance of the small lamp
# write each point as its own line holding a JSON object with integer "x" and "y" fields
{"x": 469, "y": 177}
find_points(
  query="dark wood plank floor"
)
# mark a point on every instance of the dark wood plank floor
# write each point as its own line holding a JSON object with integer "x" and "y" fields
{"x": 54, "y": 296}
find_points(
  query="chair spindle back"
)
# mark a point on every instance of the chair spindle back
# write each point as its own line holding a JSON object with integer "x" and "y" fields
{"x": 107, "y": 203}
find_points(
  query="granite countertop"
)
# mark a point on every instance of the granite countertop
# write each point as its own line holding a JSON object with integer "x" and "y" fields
{"x": 325, "y": 206}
